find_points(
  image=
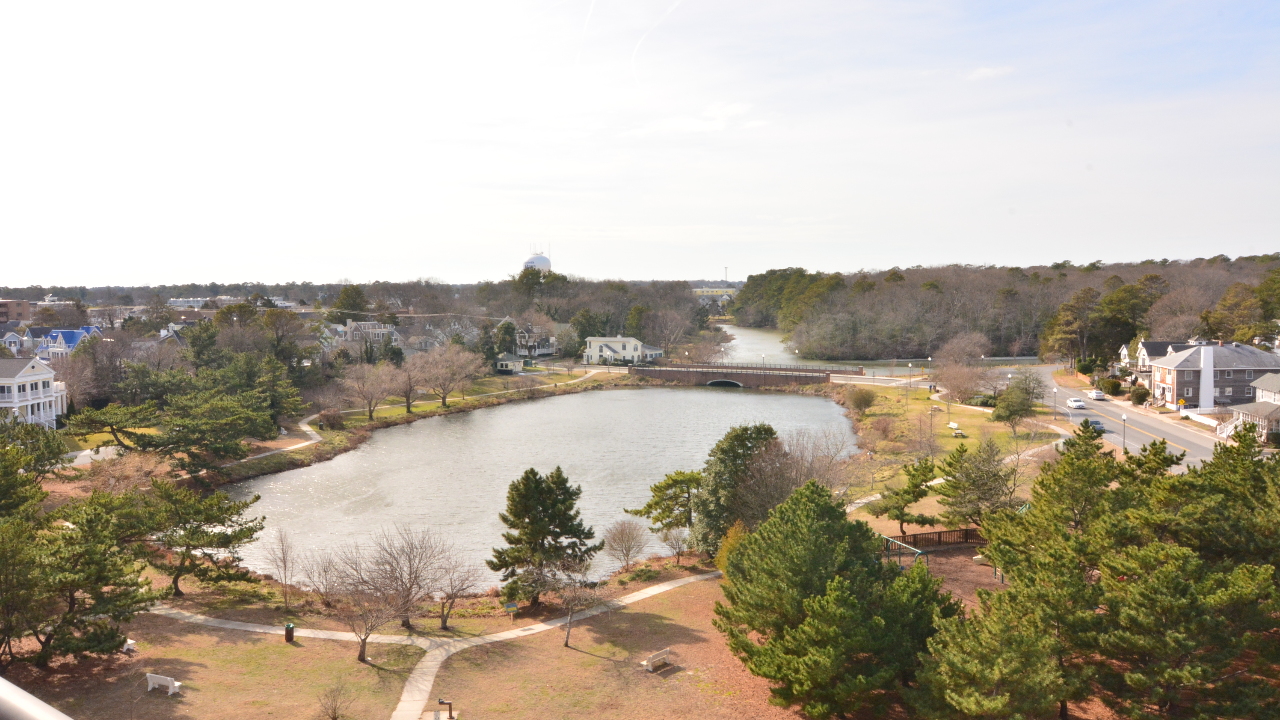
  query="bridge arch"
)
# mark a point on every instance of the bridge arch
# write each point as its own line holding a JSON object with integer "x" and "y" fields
{"x": 724, "y": 383}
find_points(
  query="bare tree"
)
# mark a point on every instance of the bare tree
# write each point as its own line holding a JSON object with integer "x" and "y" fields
{"x": 625, "y": 540}
{"x": 369, "y": 385}
{"x": 283, "y": 558}
{"x": 576, "y": 591}
{"x": 676, "y": 539}
{"x": 451, "y": 367}
{"x": 458, "y": 578}
{"x": 365, "y": 600}
{"x": 411, "y": 374}
{"x": 336, "y": 700}
{"x": 408, "y": 562}
{"x": 961, "y": 382}
{"x": 323, "y": 576}
{"x": 666, "y": 327}
{"x": 775, "y": 471}
{"x": 964, "y": 349}
{"x": 705, "y": 351}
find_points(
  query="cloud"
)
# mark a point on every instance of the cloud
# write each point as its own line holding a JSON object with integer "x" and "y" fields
{"x": 715, "y": 118}
{"x": 986, "y": 73}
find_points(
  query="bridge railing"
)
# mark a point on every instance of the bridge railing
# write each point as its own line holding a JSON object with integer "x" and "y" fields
{"x": 815, "y": 369}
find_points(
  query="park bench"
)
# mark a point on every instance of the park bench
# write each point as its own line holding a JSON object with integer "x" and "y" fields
{"x": 657, "y": 660}
{"x": 155, "y": 681}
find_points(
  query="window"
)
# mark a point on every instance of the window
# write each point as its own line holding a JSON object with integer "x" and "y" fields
{"x": 1228, "y": 391}
{"x": 1217, "y": 391}
{"x": 1217, "y": 374}
{"x": 1186, "y": 374}
{"x": 45, "y": 384}
{"x": 1187, "y": 392}
{"x": 1248, "y": 392}
{"x": 1248, "y": 374}
{"x": 22, "y": 388}
{"x": 1228, "y": 372}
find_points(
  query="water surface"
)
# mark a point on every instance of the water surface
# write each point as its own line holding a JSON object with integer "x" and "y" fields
{"x": 451, "y": 473}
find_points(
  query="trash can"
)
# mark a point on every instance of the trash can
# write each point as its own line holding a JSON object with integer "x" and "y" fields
{"x": 288, "y": 632}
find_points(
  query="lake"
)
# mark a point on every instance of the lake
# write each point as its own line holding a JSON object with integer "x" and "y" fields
{"x": 451, "y": 473}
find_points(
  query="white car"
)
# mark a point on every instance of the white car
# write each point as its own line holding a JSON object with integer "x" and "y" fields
{"x": 1096, "y": 395}
{"x": 1076, "y": 403}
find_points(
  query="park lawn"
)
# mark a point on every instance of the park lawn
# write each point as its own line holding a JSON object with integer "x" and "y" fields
{"x": 1069, "y": 378}
{"x": 226, "y": 675}
{"x": 599, "y": 675}
{"x": 75, "y": 444}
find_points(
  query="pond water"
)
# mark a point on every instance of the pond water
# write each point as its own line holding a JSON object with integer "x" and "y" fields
{"x": 754, "y": 345}
{"x": 451, "y": 473}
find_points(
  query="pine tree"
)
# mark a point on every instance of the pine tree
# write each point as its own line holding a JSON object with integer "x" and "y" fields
{"x": 977, "y": 484}
{"x": 202, "y": 533}
{"x": 895, "y": 503}
{"x": 725, "y": 469}
{"x": 546, "y": 533}
{"x": 20, "y": 490}
{"x": 996, "y": 665}
{"x": 92, "y": 584}
{"x": 812, "y": 608}
{"x": 671, "y": 504}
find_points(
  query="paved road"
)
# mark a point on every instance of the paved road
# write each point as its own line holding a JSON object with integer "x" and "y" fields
{"x": 1140, "y": 428}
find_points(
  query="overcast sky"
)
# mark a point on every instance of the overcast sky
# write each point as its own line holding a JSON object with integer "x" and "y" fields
{"x": 153, "y": 143}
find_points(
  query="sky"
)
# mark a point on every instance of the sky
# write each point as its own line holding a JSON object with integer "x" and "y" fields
{"x": 171, "y": 142}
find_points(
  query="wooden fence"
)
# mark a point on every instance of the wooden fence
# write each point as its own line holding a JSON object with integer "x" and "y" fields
{"x": 940, "y": 537}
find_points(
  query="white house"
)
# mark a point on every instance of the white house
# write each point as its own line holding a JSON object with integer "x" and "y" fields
{"x": 610, "y": 350}
{"x": 28, "y": 390}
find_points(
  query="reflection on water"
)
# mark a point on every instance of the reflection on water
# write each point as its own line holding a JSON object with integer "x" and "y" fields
{"x": 754, "y": 345}
{"x": 451, "y": 473}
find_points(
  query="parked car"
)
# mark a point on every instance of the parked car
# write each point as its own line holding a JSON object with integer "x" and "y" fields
{"x": 1077, "y": 403}
{"x": 1096, "y": 395}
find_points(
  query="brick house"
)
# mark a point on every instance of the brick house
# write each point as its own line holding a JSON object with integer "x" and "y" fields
{"x": 1210, "y": 375}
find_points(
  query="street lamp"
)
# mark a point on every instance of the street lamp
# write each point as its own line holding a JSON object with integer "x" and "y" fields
{"x": 1055, "y": 403}
{"x": 1124, "y": 438}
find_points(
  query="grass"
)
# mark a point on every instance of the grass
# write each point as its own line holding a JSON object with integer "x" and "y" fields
{"x": 75, "y": 444}
{"x": 226, "y": 674}
{"x": 599, "y": 675}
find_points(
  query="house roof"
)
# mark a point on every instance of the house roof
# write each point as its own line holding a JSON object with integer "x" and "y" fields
{"x": 613, "y": 338}
{"x": 11, "y": 367}
{"x": 1258, "y": 409}
{"x": 508, "y": 357}
{"x": 39, "y": 331}
{"x": 1160, "y": 348}
{"x": 11, "y": 326}
{"x": 1225, "y": 357}
{"x": 1270, "y": 381}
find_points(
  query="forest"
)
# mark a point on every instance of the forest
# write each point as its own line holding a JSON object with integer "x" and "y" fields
{"x": 1061, "y": 310}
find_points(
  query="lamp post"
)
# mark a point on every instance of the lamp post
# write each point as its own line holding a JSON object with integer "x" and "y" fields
{"x": 1124, "y": 437}
{"x": 1055, "y": 403}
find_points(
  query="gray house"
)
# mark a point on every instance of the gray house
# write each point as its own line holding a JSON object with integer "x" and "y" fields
{"x": 1264, "y": 411}
{"x": 1210, "y": 375}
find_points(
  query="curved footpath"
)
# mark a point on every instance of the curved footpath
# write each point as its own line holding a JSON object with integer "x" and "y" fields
{"x": 417, "y": 687}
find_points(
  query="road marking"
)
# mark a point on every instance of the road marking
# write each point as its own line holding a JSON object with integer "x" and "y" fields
{"x": 1144, "y": 432}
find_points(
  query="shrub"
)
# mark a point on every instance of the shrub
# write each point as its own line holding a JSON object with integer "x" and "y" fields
{"x": 1139, "y": 395}
{"x": 1085, "y": 367}
{"x": 984, "y": 401}
{"x": 1110, "y": 386}
{"x": 731, "y": 540}
{"x": 861, "y": 399}
{"x": 332, "y": 419}
{"x": 644, "y": 574}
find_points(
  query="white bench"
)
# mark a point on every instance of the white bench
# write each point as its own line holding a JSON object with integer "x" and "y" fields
{"x": 953, "y": 426}
{"x": 155, "y": 681}
{"x": 657, "y": 660}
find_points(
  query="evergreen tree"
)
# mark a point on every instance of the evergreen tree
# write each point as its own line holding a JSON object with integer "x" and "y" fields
{"x": 997, "y": 665}
{"x": 43, "y": 447}
{"x": 206, "y": 429}
{"x": 350, "y": 305}
{"x": 546, "y": 533}
{"x": 812, "y": 608}
{"x": 279, "y": 395}
{"x": 895, "y": 503}
{"x": 22, "y": 599}
{"x": 726, "y": 466}
{"x": 671, "y": 504}
{"x": 20, "y": 490}
{"x": 201, "y": 534}
{"x": 977, "y": 484}
{"x": 1013, "y": 407}
{"x": 202, "y": 346}
{"x": 91, "y": 584}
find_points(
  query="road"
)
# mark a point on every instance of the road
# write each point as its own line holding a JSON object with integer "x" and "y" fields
{"x": 1140, "y": 428}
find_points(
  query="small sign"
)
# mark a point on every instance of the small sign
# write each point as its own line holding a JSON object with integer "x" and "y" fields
{"x": 512, "y": 608}
{"x": 1182, "y": 401}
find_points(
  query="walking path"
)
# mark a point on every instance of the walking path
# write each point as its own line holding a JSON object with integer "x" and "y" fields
{"x": 417, "y": 687}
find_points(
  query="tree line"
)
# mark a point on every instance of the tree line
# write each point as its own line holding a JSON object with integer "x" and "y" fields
{"x": 1061, "y": 308}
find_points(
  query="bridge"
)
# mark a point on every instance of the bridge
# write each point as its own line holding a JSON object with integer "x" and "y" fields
{"x": 748, "y": 374}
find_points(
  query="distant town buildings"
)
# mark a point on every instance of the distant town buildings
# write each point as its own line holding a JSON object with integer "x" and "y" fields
{"x": 1210, "y": 374}
{"x": 16, "y": 311}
